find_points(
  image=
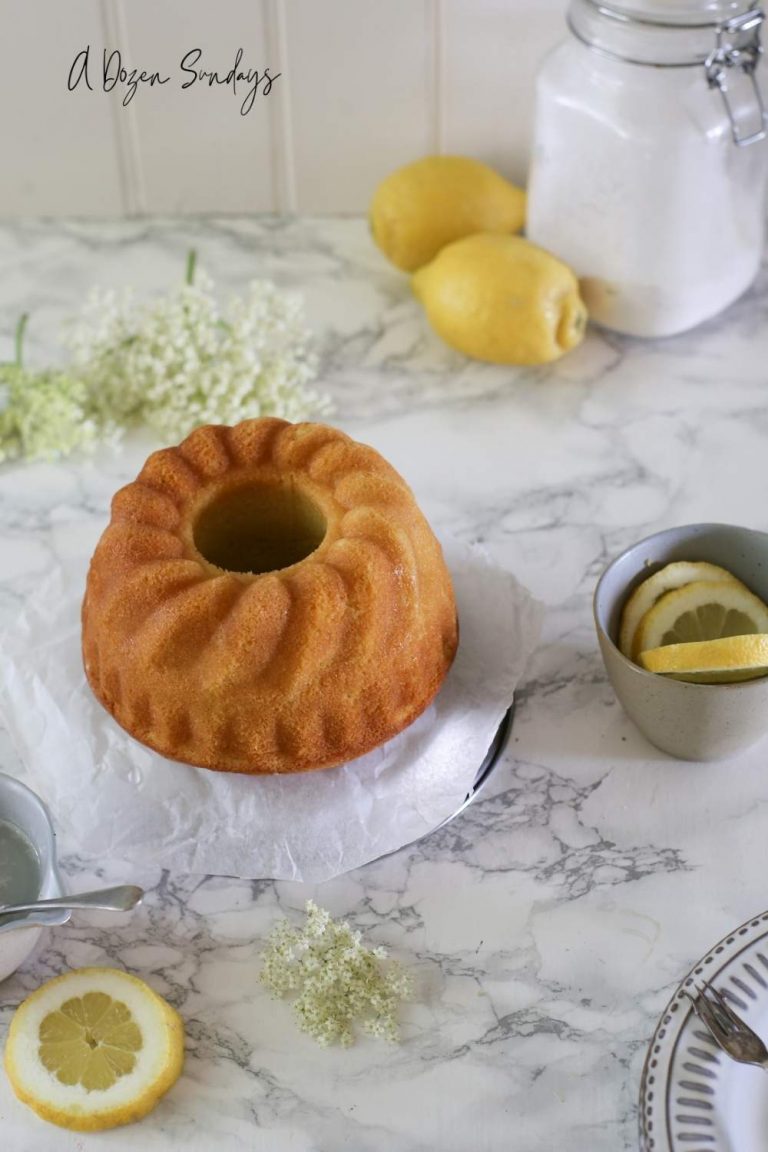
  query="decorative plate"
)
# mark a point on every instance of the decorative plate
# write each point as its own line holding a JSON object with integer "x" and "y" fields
{"x": 694, "y": 1098}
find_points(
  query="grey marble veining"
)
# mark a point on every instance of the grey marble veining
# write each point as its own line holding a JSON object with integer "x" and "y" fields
{"x": 546, "y": 927}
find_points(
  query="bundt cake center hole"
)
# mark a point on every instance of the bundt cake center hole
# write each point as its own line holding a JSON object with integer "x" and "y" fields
{"x": 259, "y": 528}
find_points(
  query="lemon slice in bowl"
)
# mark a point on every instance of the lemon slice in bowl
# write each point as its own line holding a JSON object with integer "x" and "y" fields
{"x": 94, "y": 1049}
{"x": 723, "y": 661}
{"x": 701, "y": 611}
{"x": 672, "y": 576}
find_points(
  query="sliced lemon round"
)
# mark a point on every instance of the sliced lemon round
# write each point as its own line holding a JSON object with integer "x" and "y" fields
{"x": 701, "y": 611}
{"x": 672, "y": 576}
{"x": 94, "y": 1049}
{"x": 721, "y": 661}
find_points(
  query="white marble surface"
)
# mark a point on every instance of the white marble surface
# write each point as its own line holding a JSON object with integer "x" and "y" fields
{"x": 547, "y": 926}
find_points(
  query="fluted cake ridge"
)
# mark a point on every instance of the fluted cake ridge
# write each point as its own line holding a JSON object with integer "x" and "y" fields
{"x": 267, "y": 598}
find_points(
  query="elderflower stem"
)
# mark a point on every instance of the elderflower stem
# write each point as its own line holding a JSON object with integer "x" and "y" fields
{"x": 19, "y": 343}
{"x": 191, "y": 262}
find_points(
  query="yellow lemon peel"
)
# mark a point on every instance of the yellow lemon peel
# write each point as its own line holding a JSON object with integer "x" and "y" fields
{"x": 701, "y": 611}
{"x": 723, "y": 661}
{"x": 93, "y": 1049}
{"x": 502, "y": 299}
{"x": 420, "y": 208}
{"x": 671, "y": 576}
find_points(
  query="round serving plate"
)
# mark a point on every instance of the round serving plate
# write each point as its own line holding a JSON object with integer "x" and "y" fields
{"x": 694, "y": 1098}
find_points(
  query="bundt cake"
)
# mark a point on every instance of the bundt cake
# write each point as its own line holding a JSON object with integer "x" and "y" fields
{"x": 267, "y": 598}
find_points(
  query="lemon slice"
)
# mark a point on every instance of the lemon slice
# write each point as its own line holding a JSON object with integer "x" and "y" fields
{"x": 701, "y": 611}
{"x": 711, "y": 661}
{"x": 93, "y": 1049}
{"x": 665, "y": 580}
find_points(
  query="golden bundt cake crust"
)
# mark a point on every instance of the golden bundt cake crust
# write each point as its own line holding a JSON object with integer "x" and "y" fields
{"x": 305, "y": 666}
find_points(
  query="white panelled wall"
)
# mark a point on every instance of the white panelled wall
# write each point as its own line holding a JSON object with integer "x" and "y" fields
{"x": 364, "y": 86}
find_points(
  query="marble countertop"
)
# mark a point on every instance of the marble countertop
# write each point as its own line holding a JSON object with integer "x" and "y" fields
{"x": 546, "y": 927}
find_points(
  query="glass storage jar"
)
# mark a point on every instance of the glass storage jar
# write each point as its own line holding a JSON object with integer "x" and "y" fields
{"x": 650, "y": 159}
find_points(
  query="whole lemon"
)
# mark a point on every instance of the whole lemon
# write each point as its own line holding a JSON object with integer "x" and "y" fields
{"x": 422, "y": 207}
{"x": 502, "y": 299}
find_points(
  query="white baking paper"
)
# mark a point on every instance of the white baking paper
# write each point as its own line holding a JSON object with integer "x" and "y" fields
{"x": 113, "y": 799}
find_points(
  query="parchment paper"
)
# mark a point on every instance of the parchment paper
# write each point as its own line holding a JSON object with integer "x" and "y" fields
{"x": 112, "y": 798}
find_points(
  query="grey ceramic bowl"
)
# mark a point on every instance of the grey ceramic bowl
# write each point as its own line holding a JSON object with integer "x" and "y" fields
{"x": 690, "y": 721}
{"x": 26, "y": 810}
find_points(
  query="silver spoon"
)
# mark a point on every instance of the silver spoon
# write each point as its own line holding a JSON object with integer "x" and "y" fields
{"x": 120, "y": 899}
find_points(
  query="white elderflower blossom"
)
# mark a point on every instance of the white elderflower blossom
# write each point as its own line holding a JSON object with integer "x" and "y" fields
{"x": 45, "y": 415}
{"x": 338, "y": 979}
{"x": 173, "y": 364}
{"x": 180, "y": 362}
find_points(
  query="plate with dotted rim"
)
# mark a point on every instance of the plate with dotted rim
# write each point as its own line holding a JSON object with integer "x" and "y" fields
{"x": 693, "y": 1098}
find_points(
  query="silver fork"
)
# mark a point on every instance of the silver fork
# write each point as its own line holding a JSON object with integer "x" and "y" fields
{"x": 726, "y": 1028}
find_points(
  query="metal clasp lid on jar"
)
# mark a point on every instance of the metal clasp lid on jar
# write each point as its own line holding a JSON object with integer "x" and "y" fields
{"x": 636, "y": 32}
{"x": 738, "y": 46}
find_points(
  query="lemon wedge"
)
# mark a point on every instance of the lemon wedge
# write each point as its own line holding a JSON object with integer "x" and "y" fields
{"x": 672, "y": 576}
{"x": 721, "y": 661}
{"x": 701, "y": 611}
{"x": 94, "y": 1049}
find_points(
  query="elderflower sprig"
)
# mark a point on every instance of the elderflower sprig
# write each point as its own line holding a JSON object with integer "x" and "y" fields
{"x": 172, "y": 364}
{"x": 46, "y": 414}
{"x": 338, "y": 979}
{"x": 181, "y": 361}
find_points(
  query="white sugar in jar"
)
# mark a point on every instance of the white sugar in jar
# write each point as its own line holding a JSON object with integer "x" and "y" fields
{"x": 650, "y": 159}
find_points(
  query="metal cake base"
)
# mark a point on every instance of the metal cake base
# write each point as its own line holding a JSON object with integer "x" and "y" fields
{"x": 483, "y": 775}
{"x": 485, "y": 771}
